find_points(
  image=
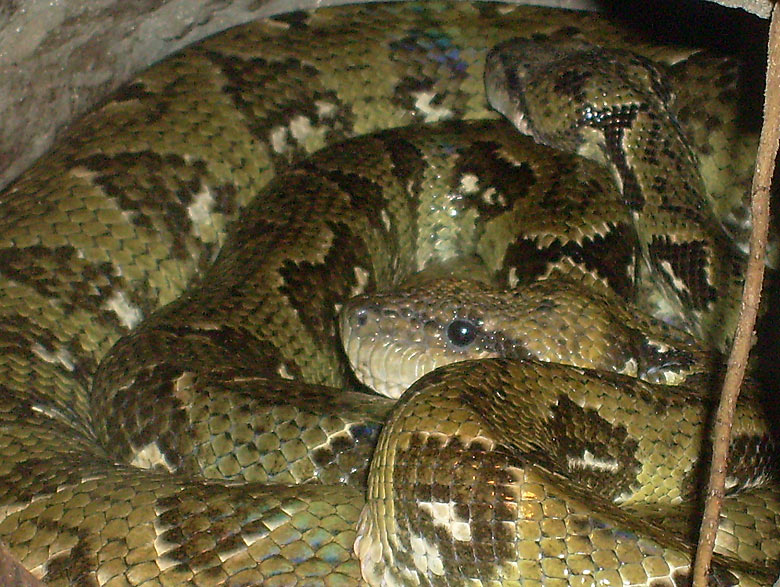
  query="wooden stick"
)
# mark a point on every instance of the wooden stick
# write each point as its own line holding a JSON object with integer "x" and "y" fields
{"x": 751, "y": 295}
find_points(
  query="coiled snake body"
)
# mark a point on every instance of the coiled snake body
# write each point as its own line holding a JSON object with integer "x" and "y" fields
{"x": 213, "y": 443}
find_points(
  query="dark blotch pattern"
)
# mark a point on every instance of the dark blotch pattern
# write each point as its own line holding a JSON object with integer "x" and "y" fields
{"x": 689, "y": 262}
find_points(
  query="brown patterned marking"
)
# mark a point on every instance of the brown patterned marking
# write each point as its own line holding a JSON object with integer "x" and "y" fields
{"x": 244, "y": 515}
{"x": 613, "y": 122}
{"x": 408, "y": 168}
{"x": 63, "y": 467}
{"x": 26, "y": 342}
{"x": 309, "y": 287}
{"x": 297, "y": 19}
{"x": 689, "y": 263}
{"x": 425, "y": 47}
{"x": 156, "y": 190}
{"x": 579, "y": 431}
{"x": 76, "y": 565}
{"x": 212, "y": 355}
{"x": 131, "y": 413}
{"x": 573, "y": 83}
{"x": 61, "y": 273}
{"x": 154, "y": 109}
{"x": 477, "y": 494}
{"x": 362, "y": 192}
{"x": 20, "y": 336}
{"x": 609, "y": 256}
{"x": 718, "y": 577}
{"x": 653, "y": 357}
{"x": 408, "y": 161}
{"x": 751, "y": 460}
{"x": 297, "y": 92}
{"x": 340, "y": 452}
{"x": 511, "y": 179}
{"x": 609, "y": 251}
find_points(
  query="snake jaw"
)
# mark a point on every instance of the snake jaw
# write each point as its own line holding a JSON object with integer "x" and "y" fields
{"x": 381, "y": 357}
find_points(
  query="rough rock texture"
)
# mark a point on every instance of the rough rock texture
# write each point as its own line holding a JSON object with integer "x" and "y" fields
{"x": 762, "y": 8}
{"x": 57, "y": 58}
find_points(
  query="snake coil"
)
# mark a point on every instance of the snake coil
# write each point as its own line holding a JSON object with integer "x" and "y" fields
{"x": 176, "y": 404}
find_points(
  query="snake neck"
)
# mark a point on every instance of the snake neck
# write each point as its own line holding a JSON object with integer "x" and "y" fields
{"x": 615, "y": 108}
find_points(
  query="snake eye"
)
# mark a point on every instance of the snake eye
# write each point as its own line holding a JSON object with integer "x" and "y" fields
{"x": 461, "y": 332}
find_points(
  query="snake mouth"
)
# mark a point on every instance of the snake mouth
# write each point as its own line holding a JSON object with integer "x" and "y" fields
{"x": 382, "y": 358}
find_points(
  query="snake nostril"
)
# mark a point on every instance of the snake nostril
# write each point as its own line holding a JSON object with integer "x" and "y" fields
{"x": 361, "y": 318}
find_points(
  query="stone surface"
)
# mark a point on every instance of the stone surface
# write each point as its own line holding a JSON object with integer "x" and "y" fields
{"x": 58, "y": 58}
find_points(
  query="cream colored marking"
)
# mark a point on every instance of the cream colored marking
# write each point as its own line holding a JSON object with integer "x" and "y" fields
{"x": 162, "y": 546}
{"x": 200, "y": 211}
{"x": 182, "y": 387}
{"x": 673, "y": 377}
{"x": 50, "y": 412}
{"x": 521, "y": 124}
{"x": 61, "y": 356}
{"x": 325, "y": 109}
{"x": 128, "y": 314}
{"x": 590, "y": 461}
{"x": 512, "y": 278}
{"x": 660, "y": 346}
{"x": 203, "y": 325}
{"x": 432, "y": 113}
{"x": 149, "y": 457}
{"x": 84, "y": 173}
{"x": 444, "y": 516}
{"x": 227, "y": 555}
{"x": 283, "y": 372}
{"x": 383, "y": 216}
{"x": 128, "y": 216}
{"x": 630, "y": 368}
{"x": 678, "y": 283}
{"x": 279, "y": 139}
{"x": 184, "y": 381}
{"x": 250, "y": 538}
{"x": 426, "y": 556}
{"x": 367, "y": 547}
{"x": 361, "y": 277}
{"x": 469, "y": 183}
{"x": 39, "y": 572}
{"x": 301, "y": 128}
{"x": 12, "y": 508}
{"x": 758, "y": 481}
{"x": 487, "y": 196}
{"x": 592, "y": 148}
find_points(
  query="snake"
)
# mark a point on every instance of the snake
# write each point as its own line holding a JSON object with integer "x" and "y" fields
{"x": 177, "y": 407}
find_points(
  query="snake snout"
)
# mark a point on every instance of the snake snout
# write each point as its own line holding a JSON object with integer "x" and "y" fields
{"x": 383, "y": 346}
{"x": 393, "y": 340}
